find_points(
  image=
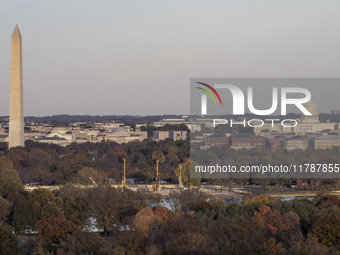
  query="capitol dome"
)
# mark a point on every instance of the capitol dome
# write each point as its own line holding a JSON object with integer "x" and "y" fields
{"x": 314, "y": 118}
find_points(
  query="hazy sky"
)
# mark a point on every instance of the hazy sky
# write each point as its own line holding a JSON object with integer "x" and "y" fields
{"x": 137, "y": 56}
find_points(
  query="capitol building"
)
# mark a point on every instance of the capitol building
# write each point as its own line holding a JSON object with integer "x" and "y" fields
{"x": 306, "y": 125}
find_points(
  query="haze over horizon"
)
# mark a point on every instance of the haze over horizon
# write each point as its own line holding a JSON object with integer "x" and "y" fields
{"x": 137, "y": 57}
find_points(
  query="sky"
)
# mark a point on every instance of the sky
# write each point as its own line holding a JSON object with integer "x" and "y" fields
{"x": 137, "y": 57}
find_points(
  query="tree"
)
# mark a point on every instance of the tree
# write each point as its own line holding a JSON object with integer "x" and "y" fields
{"x": 172, "y": 156}
{"x": 268, "y": 217}
{"x": 144, "y": 220}
{"x": 5, "y": 208}
{"x": 119, "y": 151}
{"x": 24, "y": 216}
{"x": 185, "y": 174}
{"x": 182, "y": 235}
{"x": 299, "y": 185}
{"x": 87, "y": 174}
{"x": 158, "y": 155}
{"x": 306, "y": 211}
{"x": 163, "y": 214}
{"x": 88, "y": 243}
{"x": 6, "y": 163}
{"x": 327, "y": 230}
{"x": 7, "y": 241}
{"x": 44, "y": 204}
{"x": 10, "y": 182}
{"x": 327, "y": 201}
{"x": 41, "y": 196}
{"x": 74, "y": 205}
{"x": 55, "y": 233}
{"x": 107, "y": 205}
{"x": 261, "y": 199}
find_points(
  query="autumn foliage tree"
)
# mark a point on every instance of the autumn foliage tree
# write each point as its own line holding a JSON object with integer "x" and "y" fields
{"x": 55, "y": 233}
{"x": 148, "y": 220}
{"x": 268, "y": 217}
{"x": 261, "y": 199}
{"x": 144, "y": 220}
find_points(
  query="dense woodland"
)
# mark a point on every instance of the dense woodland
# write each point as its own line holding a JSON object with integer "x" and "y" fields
{"x": 53, "y": 165}
{"x": 127, "y": 222}
{"x": 48, "y": 164}
{"x": 104, "y": 220}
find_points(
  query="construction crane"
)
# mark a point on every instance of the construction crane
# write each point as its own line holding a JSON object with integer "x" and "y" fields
{"x": 180, "y": 183}
{"x": 158, "y": 184}
{"x": 124, "y": 177}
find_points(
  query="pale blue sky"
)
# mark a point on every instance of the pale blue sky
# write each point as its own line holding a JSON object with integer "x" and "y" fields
{"x": 137, "y": 56}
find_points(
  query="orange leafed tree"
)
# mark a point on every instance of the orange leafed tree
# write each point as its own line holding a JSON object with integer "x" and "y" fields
{"x": 144, "y": 219}
{"x": 267, "y": 217}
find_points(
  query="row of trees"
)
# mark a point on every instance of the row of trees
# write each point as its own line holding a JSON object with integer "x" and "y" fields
{"x": 51, "y": 164}
{"x": 54, "y": 165}
{"x": 224, "y": 155}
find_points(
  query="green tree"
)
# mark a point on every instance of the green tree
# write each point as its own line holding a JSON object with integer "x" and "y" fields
{"x": 24, "y": 216}
{"x": 87, "y": 174}
{"x": 5, "y": 209}
{"x": 172, "y": 156}
{"x": 74, "y": 205}
{"x": 327, "y": 230}
{"x": 158, "y": 155}
{"x": 185, "y": 174}
{"x": 107, "y": 205}
{"x": 7, "y": 241}
{"x": 44, "y": 204}
{"x": 10, "y": 182}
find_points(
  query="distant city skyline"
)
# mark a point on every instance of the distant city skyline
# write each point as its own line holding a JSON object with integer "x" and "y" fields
{"x": 137, "y": 57}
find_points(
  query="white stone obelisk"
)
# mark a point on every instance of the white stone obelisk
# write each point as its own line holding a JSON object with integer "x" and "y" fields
{"x": 16, "y": 104}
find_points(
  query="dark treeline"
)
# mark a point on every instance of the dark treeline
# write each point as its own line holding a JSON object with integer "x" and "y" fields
{"x": 65, "y": 118}
{"x": 224, "y": 155}
{"x": 52, "y": 165}
{"x": 48, "y": 164}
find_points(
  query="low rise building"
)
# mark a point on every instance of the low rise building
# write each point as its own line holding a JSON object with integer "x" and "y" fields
{"x": 293, "y": 144}
{"x": 216, "y": 141}
{"x": 248, "y": 142}
{"x": 327, "y": 142}
{"x": 174, "y": 135}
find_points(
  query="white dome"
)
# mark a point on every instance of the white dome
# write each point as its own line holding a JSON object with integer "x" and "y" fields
{"x": 314, "y": 118}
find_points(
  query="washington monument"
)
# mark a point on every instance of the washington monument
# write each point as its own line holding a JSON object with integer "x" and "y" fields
{"x": 16, "y": 107}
